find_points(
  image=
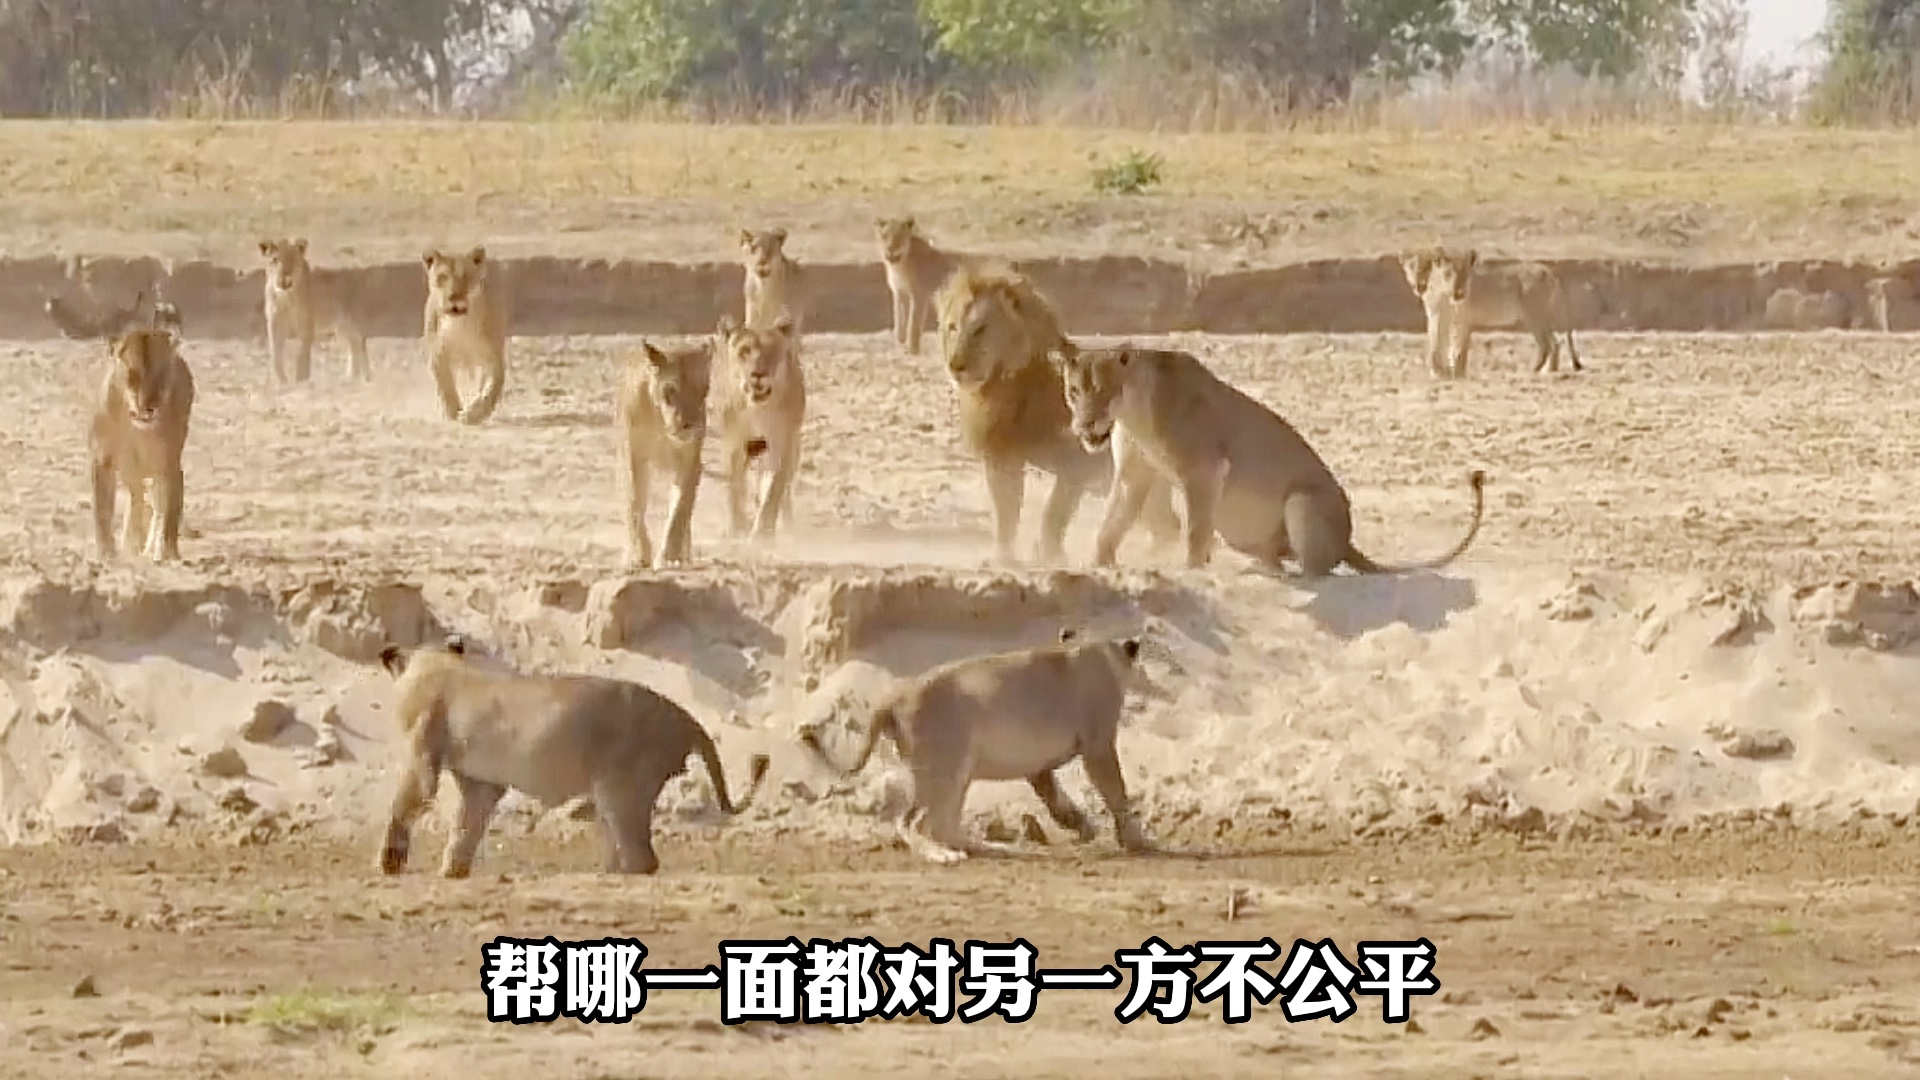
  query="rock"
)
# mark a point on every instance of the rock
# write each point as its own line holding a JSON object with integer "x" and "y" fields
{"x": 224, "y": 764}
{"x": 144, "y": 801}
{"x": 270, "y": 718}
{"x": 1483, "y": 1029}
{"x": 129, "y": 1038}
{"x": 237, "y": 799}
{"x": 326, "y": 750}
{"x": 85, "y": 988}
{"x": 1765, "y": 744}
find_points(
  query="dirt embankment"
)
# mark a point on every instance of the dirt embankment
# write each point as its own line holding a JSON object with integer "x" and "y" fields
{"x": 1110, "y": 295}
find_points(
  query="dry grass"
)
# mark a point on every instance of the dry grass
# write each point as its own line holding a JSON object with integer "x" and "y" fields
{"x": 384, "y": 187}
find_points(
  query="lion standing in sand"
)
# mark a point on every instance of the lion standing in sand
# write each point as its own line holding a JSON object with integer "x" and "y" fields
{"x": 1018, "y": 715}
{"x": 137, "y": 439}
{"x": 915, "y": 271}
{"x": 551, "y": 737}
{"x": 762, "y": 407}
{"x": 464, "y": 328}
{"x": 301, "y": 301}
{"x": 1247, "y": 474}
{"x": 774, "y": 285}
{"x": 663, "y": 414}
{"x": 996, "y": 332}
{"x": 1461, "y": 295}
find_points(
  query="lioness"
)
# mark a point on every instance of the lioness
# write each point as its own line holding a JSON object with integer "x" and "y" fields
{"x": 1463, "y": 295}
{"x": 300, "y": 301}
{"x": 762, "y": 405}
{"x": 138, "y": 435}
{"x": 552, "y": 737}
{"x": 995, "y": 331}
{"x": 1247, "y": 474}
{"x": 1007, "y": 716}
{"x": 663, "y": 412}
{"x": 464, "y": 329}
{"x": 915, "y": 271}
{"x": 775, "y": 284}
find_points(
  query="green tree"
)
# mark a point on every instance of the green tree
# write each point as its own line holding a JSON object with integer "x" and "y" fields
{"x": 1871, "y": 69}
{"x": 1022, "y": 38}
{"x": 1603, "y": 38}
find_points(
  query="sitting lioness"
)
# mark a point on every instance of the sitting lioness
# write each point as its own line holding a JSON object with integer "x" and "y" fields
{"x": 552, "y": 737}
{"x": 464, "y": 328}
{"x": 1461, "y": 295}
{"x": 663, "y": 413}
{"x": 1008, "y": 716}
{"x": 995, "y": 331}
{"x": 301, "y": 301}
{"x": 138, "y": 436}
{"x": 761, "y": 404}
{"x": 1247, "y": 474}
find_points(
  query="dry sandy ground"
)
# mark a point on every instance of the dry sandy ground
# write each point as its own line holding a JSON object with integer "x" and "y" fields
{"x": 1641, "y": 765}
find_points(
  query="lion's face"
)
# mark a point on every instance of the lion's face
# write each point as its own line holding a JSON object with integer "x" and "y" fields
{"x": 761, "y": 251}
{"x": 677, "y": 384}
{"x": 760, "y": 358}
{"x": 1095, "y": 381}
{"x": 981, "y": 334}
{"x": 452, "y": 280}
{"x": 141, "y": 360}
{"x": 1418, "y": 267}
{"x": 1452, "y": 274}
{"x": 286, "y": 261}
{"x": 896, "y": 237}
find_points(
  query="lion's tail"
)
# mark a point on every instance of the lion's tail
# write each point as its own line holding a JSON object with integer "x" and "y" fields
{"x": 884, "y": 723}
{"x": 756, "y": 773}
{"x": 1367, "y": 566}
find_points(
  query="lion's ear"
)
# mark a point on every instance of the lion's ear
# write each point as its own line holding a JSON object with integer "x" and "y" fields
{"x": 784, "y": 324}
{"x": 390, "y": 658}
{"x": 266, "y": 247}
{"x": 478, "y": 255}
{"x": 429, "y": 257}
{"x": 746, "y": 238}
{"x": 654, "y": 356}
{"x": 300, "y": 244}
{"x": 777, "y": 234}
{"x": 1131, "y": 646}
{"x": 727, "y": 326}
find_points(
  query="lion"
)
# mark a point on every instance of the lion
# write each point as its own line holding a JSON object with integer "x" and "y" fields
{"x": 996, "y": 331}
{"x": 464, "y": 328}
{"x": 1462, "y": 294}
{"x": 774, "y": 284}
{"x": 301, "y": 301}
{"x": 663, "y": 411}
{"x": 1016, "y": 715}
{"x": 1247, "y": 474}
{"x": 915, "y": 271}
{"x": 762, "y": 406}
{"x": 551, "y": 737}
{"x": 136, "y": 441}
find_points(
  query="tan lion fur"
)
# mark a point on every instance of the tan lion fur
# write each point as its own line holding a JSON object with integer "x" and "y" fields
{"x": 773, "y": 283}
{"x": 136, "y": 441}
{"x": 915, "y": 271}
{"x": 1463, "y": 295}
{"x": 551, "y": 737}
{"x": 1246, "y": 473}
{"x": 1018, "y": 715}
{"x": 761, "y": 404}
{"x": 302, "y": 301}
{"x": 663, "y": 415}
{"x": 464, "y": 328}
{"x": 996, "y": 332}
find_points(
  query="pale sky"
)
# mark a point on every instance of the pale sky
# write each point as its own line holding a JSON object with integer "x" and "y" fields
{"x": 1777, "y": 28}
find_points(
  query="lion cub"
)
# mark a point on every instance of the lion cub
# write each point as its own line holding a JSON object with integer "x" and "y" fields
{"x": 663, "y": 411}
{"x": 464, "y": 329}
{"x": 1461, "y": 295}
{"x": 915, "y": 271}
{"x": 1017, "y": 715}
{"x": 775, "y": 284}
{"x": 138, "y": 436}
{"x": 762, "y": 402}
{"x": 301, "y": 301}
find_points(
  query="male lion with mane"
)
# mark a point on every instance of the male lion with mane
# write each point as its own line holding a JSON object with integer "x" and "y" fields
{"x": 137, "y": 439}
{"x": 552, "y": 737}
{"x": 464, "y": 328}
{"x": 1462, "y": 294}
{"x": 996, "y": 332}
{"x": 1017, "y": 715}
{"x": 1247, "y": 474}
